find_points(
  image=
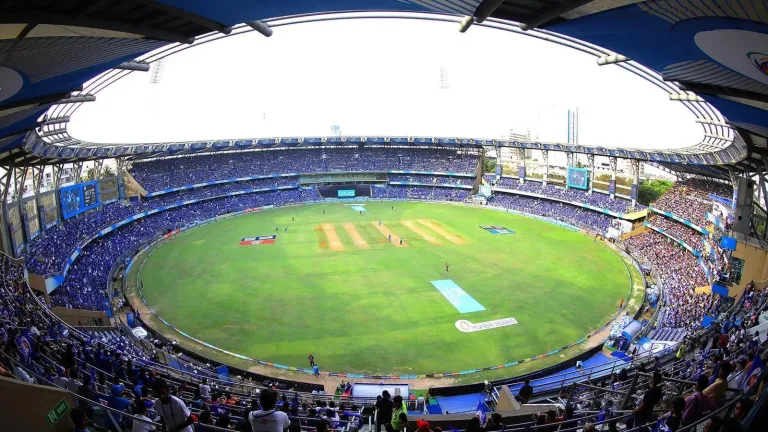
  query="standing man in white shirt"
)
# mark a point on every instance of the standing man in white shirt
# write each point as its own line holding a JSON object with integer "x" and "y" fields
{"x": 205, "y": 390}
{"x": 268, "y": 419}
{"x": 172, "y": 410}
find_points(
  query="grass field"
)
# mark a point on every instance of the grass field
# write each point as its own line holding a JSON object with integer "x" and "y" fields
{"x": 335, "y": 286}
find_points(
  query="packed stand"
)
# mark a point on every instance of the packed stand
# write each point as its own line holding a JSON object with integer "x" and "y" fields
{"x": 596, "y": 199}
{"x": 689, "y": 199}
{"x": 688, "y": 235}
{"x": 168, "y": 173}
{"x": 47, "y": 254}
{"x": 570, "y": 214}
{"x": 462, "y": 181}
{"x": 679, "y": 273}
{"x": 85, "y": 285}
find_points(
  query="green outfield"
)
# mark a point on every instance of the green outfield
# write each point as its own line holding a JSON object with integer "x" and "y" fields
{"x": 335, "y": 286}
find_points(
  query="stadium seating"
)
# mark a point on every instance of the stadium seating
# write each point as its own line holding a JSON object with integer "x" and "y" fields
{"x": 597, "y": 199}
{"x": 174, "y": 172}
{"x": 689, "y": 199}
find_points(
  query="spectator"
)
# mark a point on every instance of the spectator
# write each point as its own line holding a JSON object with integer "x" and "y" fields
{"x": 173, "y": 413}
{"x": 526, "y": 391}
{"x": 652, "y": 396}
{"x": 268, "y": 419}
{"x": 698, "y": 405}
{"x": 384, "y": 408}
{"x": 205, "y": 390}
{"x": 718, "y": 388}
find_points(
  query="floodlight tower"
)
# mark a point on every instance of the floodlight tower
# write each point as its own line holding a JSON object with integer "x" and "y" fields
{"x": 444, "y": 78}
{"x": 156, "y": 71}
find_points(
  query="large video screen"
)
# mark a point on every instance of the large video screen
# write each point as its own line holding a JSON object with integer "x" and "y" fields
{"x": 78, "y": 198}
{"x": 578, "y": 178}
{"x": 346, "y": 193}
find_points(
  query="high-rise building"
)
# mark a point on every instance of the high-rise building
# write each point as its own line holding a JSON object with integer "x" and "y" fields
{"x": 335, "y": 130}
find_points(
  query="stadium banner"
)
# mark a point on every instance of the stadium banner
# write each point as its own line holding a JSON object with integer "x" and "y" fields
{"x": 578, "y": 204}
{"x": 455, "y": 186}
{"x": 79, "y": 198}
{"x": 612, "y": 187}
{"x": 499, "y": 170}
{"x": 432, "y": 173}
{"x": 633, "y": 192}
{"x": 521, "y": 171}
{"x": 679, "y": 219}
{"x": 577, "y": 178}
{"x": 680, "y": 242}
{"x": 218, "y": 182}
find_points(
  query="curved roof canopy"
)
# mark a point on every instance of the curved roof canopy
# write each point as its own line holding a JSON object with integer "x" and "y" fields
{"x": 716, "y": 49}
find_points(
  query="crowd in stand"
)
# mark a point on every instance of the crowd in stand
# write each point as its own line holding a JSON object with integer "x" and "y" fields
{"x": 464, "y": 181}
{"x": 679, "y": 272}
{"x": 169, "y": 173}
{"x": 597, "y": 199}
{"x": 689, "y": 199}
{"x": 570, "y": 214}
{"x": 690, "y": 236}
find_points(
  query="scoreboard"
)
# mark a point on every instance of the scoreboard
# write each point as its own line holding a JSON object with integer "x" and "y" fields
{"x": 578, "y": 178}
{"x": 78, "y": 198}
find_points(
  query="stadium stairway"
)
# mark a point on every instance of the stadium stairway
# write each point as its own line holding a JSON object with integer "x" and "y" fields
{"x": 667, "y": 334}
{"x": 597, "y": 366}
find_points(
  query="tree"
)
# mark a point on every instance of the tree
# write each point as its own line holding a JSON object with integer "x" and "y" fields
{"x": 490, "y": 165}
{"x": 107, "y": 172}
{"x": 579, "y": 164}
{"x": 651, "y": 190}
{"x": 90, "y": 174}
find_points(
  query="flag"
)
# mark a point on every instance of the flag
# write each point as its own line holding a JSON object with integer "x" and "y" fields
{"x": 25, "y": 344}
{"x": 754, "y": 373}
{"x": 480, "y": 412}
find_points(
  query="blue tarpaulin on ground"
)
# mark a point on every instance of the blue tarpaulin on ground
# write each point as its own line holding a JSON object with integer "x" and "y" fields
{"x": 707, "y": 321}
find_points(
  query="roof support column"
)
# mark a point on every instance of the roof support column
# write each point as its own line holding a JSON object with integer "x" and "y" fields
{"x": 19, "y": 178}
{"x": 635, "y": 180}
{"x": 612, "y": 184}
{"x": 521, "y": 166}
{"x": 5, "y": 180}
{"x": 37, "y": 184}
{"x": 568, "y": 164}
{"x": 591, "y": 163}
{"x": 545, "y": 158}
{"x": 735, "y": 182}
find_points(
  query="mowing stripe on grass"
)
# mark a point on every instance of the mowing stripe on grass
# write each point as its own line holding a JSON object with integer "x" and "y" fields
{"x": 411, "y": 225}
{"x": 386, "y": 232}
{"x": 333, "y": 238}
{"x": 439, "y": 229}
{"x": 462, "y": 301}
{"x": 356, "y": 237}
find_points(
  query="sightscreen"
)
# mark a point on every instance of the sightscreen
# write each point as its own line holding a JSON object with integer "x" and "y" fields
{"x": 578, "y": 177}
{"x": 78, "y": 198}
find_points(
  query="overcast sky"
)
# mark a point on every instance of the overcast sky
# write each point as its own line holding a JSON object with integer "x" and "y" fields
{"x": 382, "y": 77}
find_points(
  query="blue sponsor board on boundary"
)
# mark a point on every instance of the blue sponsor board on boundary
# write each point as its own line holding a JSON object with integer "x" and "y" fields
{"x": 462, "y": 301}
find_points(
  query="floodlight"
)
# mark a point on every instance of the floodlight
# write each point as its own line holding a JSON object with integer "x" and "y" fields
{"x": 684, "y": 97}
{"x": 611, "y": 59}
{"x": 260, "y": 27}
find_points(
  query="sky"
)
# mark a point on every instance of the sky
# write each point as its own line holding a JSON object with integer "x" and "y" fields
{"x": 383, "y": 78}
